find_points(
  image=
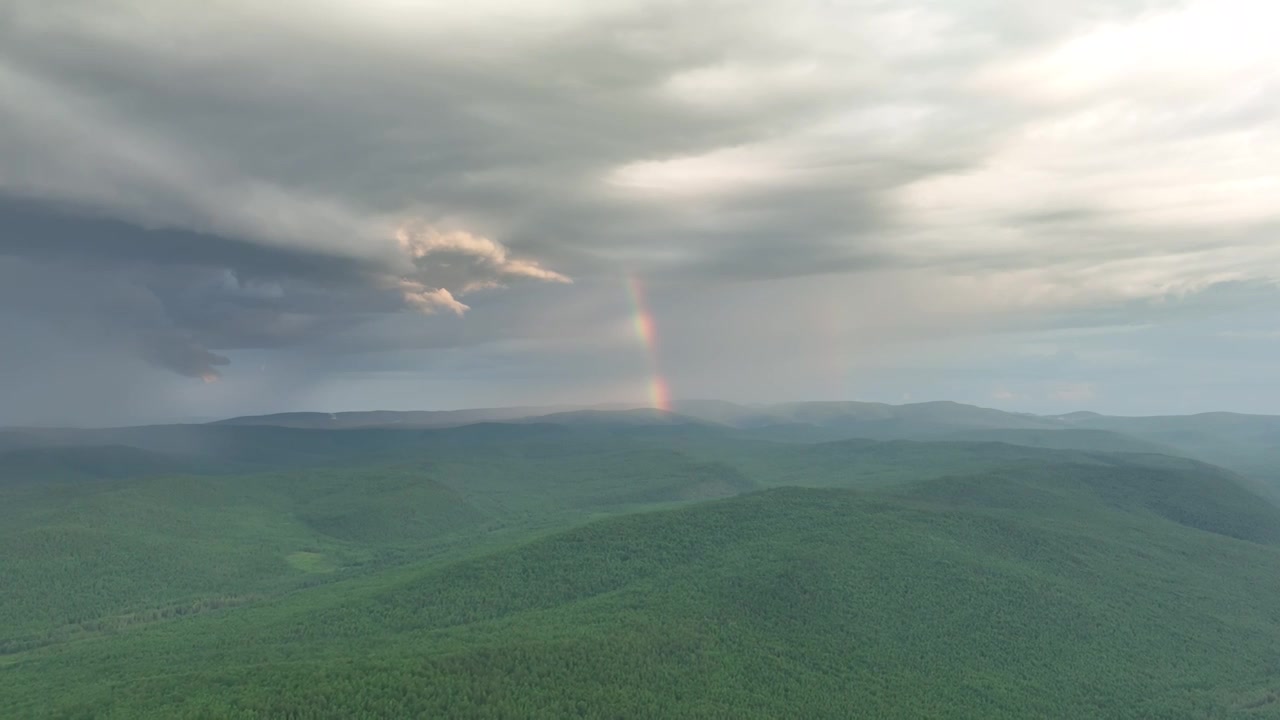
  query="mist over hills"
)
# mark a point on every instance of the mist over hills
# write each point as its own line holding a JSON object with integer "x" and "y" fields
{"x": 388, "y": 418}
{"x": 943, "y": 414}
{"x": 920, "y": 419}
{"x": 1247, "y": 443}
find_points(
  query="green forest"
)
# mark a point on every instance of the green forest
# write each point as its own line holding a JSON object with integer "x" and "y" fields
{"x": 618, "y": 571}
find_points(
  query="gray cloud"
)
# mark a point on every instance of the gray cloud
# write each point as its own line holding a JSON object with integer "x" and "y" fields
{"x": 222, "y": 178}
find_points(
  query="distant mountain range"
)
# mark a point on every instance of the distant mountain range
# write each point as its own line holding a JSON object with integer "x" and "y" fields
{"x": 943, "y": 416}
{"x": 392, "y": 418}
{"x": 1248, "y": 444}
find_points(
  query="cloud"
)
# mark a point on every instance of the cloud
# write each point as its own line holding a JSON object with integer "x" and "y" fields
{"x": 82, "y": 184}
{"x": 86, "y": 305}
{"x": 698, "y": 137}
{"x": 183, "y": 356}
{"x": 467, "y": 262}
{"x": 429, "y": 301}
{"x": 349, "y": 178}
{"x": 66, "y": 147}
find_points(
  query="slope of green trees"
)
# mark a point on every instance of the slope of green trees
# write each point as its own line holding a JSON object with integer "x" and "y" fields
{"x": 625, "y": 576}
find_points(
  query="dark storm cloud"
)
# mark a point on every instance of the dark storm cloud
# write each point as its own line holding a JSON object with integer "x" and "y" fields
{"x": 55, "y": 232}
{"x": 175, "y": 293}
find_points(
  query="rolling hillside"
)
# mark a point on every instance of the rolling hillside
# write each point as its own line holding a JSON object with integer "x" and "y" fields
{"x": 1065, "y": 439}
{"x": 1122, "y": 587}
{"x": 1249, "y": 444}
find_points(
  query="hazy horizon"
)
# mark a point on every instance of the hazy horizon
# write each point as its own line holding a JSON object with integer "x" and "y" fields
{"x": 553, "y": 408}
{"x": 212, "y": 211}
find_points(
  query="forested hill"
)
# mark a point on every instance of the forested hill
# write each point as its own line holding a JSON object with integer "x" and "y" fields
{"x": 626, "y": 570}
{"x": 1064, "y": 591}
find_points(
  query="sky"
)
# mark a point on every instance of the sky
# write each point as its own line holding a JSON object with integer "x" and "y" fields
{"x": 229, "y": 207}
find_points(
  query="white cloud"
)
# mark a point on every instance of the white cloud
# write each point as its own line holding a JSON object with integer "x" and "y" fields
{"x": 466, "y": 262}
{"x": 1188, "y": 52}
{"x": 422, "y": 244}
{"x": 718, "y": 172}
{"x": 430, "y": 300}
{"x": 1145, "y": 161}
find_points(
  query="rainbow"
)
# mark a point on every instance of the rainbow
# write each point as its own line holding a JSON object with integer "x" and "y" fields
{"x": 647, "y": 332}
